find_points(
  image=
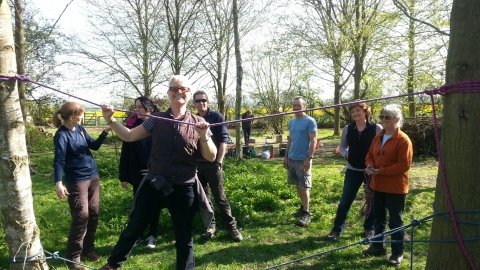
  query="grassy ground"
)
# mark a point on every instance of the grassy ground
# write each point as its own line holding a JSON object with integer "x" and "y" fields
{"x": 260, "y": 200}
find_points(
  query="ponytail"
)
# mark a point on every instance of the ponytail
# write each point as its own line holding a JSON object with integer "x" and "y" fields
{"x": 56, "y": 122}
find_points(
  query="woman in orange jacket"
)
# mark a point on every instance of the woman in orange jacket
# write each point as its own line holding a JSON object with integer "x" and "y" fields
{"x": 388, "y": 161}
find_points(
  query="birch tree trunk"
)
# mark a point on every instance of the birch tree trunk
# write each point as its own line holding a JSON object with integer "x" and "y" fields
{"x": 18, "y": 219}
{"x": 460, "y": 146}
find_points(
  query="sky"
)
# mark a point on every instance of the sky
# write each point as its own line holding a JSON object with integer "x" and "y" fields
{"x": 72, "y": 21}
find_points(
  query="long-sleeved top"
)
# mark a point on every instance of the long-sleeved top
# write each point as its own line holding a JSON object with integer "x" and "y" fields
{"x": 72, "y": 154}
{"x": 134, "y": 158}
{"x": 356, "y": 144}
{"x": 393, "y": 160}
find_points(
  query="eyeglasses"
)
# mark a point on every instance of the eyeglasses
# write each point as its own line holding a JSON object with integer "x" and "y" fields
{"x": 201, "y": 100}
{"x": 175, "y": 89}
{"x": 386, "y": 117}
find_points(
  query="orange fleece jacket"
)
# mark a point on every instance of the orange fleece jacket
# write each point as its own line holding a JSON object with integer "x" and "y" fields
{"x": 393, "y": 161}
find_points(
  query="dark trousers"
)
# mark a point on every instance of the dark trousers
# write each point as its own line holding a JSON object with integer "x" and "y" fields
{"x": 84, "y": 203}
{"x": 182, "y": 205}
{"x": 153, "y": 225}
{"x": 211, "y": 175}
{"x": 246, "y": 135}
{"x": 351, "y": 184}
{"x": 395, "y": 204}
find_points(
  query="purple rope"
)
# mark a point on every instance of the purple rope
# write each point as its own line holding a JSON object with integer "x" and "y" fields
{"x": 460, "y": 87}
{"x": 367, "y": 206}
{"x": 445, "y": 186}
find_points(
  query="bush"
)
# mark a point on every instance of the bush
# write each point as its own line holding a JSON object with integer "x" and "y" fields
{"x": 422, "y": 134}
{"x": 40, "y": 139}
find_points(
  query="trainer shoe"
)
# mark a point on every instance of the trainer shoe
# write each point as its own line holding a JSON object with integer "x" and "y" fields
{"x": 298, "y": 214}
{"x": 304, "y": 220}
{"x": 395, "y": 259}
{"x": 375, "y": 251}
{"x": 151, "y": 242}
{"x": 369, "y": 234}
{"x": 91, "y": 257}
{"x": 236, "y": 235}
{"x": 208, "y": 234}
{"x": 332, "y": 236}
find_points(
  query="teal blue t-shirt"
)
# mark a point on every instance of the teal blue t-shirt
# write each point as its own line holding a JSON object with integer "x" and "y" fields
{"x": 299, "y": 136}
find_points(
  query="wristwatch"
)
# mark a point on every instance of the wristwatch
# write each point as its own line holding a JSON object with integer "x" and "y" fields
{"x": 310, "y": 157}
{"x": 217, "y": 163}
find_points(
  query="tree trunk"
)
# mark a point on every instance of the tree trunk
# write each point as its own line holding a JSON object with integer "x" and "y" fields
{"x": 238, "y": 60}
{"x": 460, "y": 145}
{"x": 21, "y": 231}
{"x": 411, "y": 62}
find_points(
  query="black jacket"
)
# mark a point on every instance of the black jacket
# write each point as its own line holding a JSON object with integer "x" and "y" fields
{"x": 134, "y": 157}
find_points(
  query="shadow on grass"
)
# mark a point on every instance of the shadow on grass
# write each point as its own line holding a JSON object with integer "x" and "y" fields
{"x": 272, "y": 255}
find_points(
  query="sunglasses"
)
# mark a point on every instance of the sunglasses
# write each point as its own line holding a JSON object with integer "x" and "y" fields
{"x": 201, "y": 100}
{"x": 175, "y": 89}
{"x": 386, "y": 117}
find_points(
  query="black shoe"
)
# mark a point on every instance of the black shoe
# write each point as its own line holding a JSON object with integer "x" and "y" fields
{"x": 304, "y": 220}
{"x": 236, "y": 235}
{"x": 395, "y": 259}
{"x": 375, "y": 251}
{"x": 298, "y": 214}
{"x": 332, "y": 236}
{"x": 208, "y": 234}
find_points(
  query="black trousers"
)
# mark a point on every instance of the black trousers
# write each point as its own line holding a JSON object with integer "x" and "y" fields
{"x": 211, "y": 175}
{"x": 182, "y": 205}
{"x": 395, "y": 204}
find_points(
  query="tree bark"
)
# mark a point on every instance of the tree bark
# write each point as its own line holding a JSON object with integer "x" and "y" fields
{"x": 238, "y": 59}
{"x": 21, "y": 230}
{"x": 460, "y": 145}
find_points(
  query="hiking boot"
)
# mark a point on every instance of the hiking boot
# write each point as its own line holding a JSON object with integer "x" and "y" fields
{"x": 208, "y": 234}
{"x": 76, "y": 264}
{"x": 395, "y": 259}
{"x": 304, "y": 220}
{"x": 375, "y": 251}
{"x": 108, "y": 267}
{"x": 236, "y": 235}
{"x": 91, "y": 257}
{"x": 332, "y": 236}
{"x": 298, "y": 214}
{"x": 369, "y": 234}
{"x": 151, "y": 242}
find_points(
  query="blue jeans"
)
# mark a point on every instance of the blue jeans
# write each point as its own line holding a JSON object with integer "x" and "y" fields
{"x": 351, "y": 184}
{"x": 395, "y": 204}
{"x": 182, "y": 205}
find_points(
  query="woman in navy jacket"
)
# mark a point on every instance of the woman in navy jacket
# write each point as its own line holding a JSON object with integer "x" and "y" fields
{"x": 82, "y": 183}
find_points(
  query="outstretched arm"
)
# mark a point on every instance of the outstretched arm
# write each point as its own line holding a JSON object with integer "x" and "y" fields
{"x": 128, "y": 135}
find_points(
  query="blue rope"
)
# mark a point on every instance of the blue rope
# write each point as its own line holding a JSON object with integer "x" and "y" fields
{"x": 53, "y": 255}
{"x": 415, "y": 222}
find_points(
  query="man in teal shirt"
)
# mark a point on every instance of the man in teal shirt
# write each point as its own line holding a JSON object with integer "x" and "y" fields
{"x": 299, "y": 155}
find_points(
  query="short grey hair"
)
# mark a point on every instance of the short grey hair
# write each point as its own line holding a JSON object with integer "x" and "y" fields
{"x": 394, "y": 110}
{"x": 180, "y": 78}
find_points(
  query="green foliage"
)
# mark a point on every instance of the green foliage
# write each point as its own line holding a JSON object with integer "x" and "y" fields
{"x": 40, "y": 139}
{"x": 262, "y": 203}
{"x": 422, "y": 134}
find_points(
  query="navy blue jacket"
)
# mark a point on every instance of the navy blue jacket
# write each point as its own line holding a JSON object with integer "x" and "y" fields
{"x": 72, "y": 154}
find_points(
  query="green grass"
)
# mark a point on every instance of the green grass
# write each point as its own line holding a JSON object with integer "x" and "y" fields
{"x": 260, "y": 200}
